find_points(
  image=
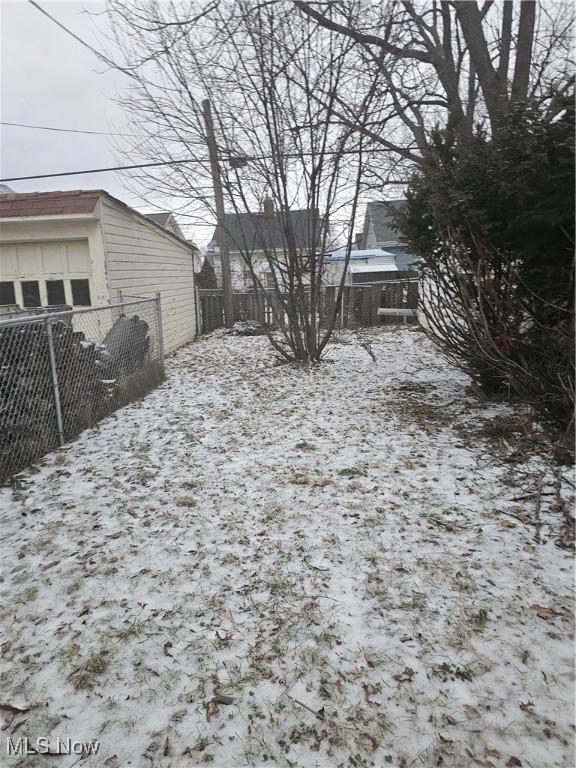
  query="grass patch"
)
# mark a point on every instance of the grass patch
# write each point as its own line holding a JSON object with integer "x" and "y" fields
{"x": 351, "y": 472}
{"x": 303, "y": 445}
{"x": 86, "y": 675}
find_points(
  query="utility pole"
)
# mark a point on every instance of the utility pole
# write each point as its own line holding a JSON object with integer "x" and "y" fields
{"x": 219, "y": 200}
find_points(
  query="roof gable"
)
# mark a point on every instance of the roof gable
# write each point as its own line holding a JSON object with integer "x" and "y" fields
{"x": 167, "y": 220}
{"x": 259, "y": 231}
{"x": 378, "y": 213}
{"x": 160, "y": 218}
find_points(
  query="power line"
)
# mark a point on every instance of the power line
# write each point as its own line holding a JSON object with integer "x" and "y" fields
{"x": 231, "y": 159}
{"x": 95, "y": 51}
{"x": 101, "y": 170}
{"x": 63, "y": 130}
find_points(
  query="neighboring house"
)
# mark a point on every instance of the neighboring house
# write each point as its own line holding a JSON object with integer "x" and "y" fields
{"x": 82, "y": 248}
{"x": 206, "y": 277}
{"x": 168, "y": 220}
{"x": 254, "y": 235}
{"x": 364, "y": 266}
{"x": 378, "y": 233}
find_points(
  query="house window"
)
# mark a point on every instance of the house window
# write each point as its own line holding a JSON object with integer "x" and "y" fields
{"x": 55, "y": 292}
{"x": 31, "y": 293}
{"x": 7, "y": 293}
{"x": 81, "y": 293}
{"x": 270, "y": 281}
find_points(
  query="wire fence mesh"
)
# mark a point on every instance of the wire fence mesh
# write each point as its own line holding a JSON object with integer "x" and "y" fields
{"x": 62, "y": 372}
{"x": 365, "y": 304}
{"x": 369, "y": 304}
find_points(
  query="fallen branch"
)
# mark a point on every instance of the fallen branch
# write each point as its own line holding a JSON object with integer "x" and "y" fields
{"x": 319, "y": 715}
{"x": 5, "y": 707}
{"x": 368, "y": 347}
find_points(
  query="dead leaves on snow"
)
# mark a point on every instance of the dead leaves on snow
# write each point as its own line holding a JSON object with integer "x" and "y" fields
{"x": 186, "y": 501}
{"x": 212, "y": 707}
{"x": 406, "y": 676}
{"x": 369, "y": 691}
{"x": 485, "y": 762}
{"x": 303, "y": 478}
{"x": 543, "y": 612}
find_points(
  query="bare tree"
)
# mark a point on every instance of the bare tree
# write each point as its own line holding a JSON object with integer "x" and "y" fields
{"x": 485, "y": 91}
{"x": 447, "y": 64}
{"x": 275, "y": 80}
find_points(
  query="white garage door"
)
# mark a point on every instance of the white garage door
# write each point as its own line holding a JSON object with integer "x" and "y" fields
{"x": 44, "y": 274}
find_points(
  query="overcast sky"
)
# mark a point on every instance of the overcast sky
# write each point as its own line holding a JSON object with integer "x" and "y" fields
{"x": 48, "y": 78}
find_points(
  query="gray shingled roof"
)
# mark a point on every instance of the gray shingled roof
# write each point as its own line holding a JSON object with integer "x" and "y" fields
{"x": 381, "y": 220}
{"x": 166, "y": 220}
{"x": 159, "y": 218}
{"x": 255, "y": 231}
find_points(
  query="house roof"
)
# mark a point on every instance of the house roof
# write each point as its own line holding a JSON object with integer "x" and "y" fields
{"x": 361, "y": 268}
{"x": 257, "y": 231}
{"x": 24, "y": 204}
{"x": 160, "y": 218}
{"x": 13, "y": 204}
{"x": 364, "y": 255}
{"x": 167, "y": 220}
{"x": 378, "y": 213}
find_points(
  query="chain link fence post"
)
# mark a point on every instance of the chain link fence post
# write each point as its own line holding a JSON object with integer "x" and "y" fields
{"x": 55, "y": 386}
{"x": 198, "y": 309}
{"x": 159, "y": 330}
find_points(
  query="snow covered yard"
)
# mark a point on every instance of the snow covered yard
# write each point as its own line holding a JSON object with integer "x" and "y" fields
{"x": 261, "y": 564}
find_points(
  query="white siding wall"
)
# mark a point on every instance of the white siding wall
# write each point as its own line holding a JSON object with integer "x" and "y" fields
{"x": 141, "y": 260}
{"x": 240, "y": 273}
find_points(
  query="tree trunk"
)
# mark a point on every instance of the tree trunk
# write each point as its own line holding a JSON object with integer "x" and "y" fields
{"x": 505, "y": 43}
{"x": 470, "y": 19}
{"x": 524, "y": 50}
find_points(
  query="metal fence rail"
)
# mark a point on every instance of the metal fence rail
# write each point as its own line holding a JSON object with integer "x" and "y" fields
{"x": 62, "y": 372}
{"x": 361, "y": 305}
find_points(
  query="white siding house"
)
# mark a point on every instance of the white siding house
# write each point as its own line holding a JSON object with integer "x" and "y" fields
{"x": 363, "y": 266}
{"x": 260, "y": 239}
{"x": 83, "y": 248}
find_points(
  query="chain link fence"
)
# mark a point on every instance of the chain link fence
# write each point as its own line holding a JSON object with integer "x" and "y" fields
{"x": 362, "y": 305}
{"x": 368, "y": 304}
{"x": 61, "y": 372}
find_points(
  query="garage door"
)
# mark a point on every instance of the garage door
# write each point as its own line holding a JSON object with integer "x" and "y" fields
{"x": 44, "y": 274}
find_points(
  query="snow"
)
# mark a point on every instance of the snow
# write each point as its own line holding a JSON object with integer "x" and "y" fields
{"x": 362, "y": 268}
{"x": 359, "y": 573}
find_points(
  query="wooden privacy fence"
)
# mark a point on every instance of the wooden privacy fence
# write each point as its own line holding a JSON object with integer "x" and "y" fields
{"x": 358, "y": 306}
{"x": 248, "y": 305}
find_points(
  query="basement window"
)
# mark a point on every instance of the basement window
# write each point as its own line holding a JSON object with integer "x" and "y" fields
{"x": 31, "y": 293}
{"x": 55, "y": 292}
{"x": 7, "y": 293}
{"x": 81, "y": 293}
